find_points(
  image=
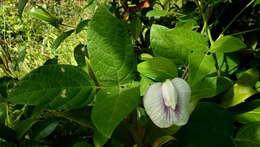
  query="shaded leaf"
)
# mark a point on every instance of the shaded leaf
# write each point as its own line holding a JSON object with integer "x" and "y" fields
{"x": 52, "y": 61}
{"x": 135, "y": 27}
{"x": 4, "y": 85}
{"x": 79, "y": 54}
{"x": 44, "y": 128}
{"x": 23, "y": 126}
{"x": 80, "y": 116}
{"x": 163, "y": 140}
{"x": 99, "y": 139}
{"x": 21, "y": 6}
{"x": 82, "y": 144}
{"x": 3, "y": 113}
{"x": 54, "y": 87}
{"x": 83, "y": 24}
{"x": 61, "y": 38}
{"x": 209, "y": 126}
{"x": 112, "y": 106}
{"x": 248, "y": 135}
{"x": 7, "y": 133}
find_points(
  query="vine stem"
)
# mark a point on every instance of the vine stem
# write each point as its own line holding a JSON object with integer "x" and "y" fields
{"x": 236, "y": 16}
{"x": 247, "y": 31}
{"x": 92, "y": 74}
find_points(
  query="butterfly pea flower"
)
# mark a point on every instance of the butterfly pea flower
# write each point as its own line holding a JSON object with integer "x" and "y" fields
{"x": 168, "y": 103}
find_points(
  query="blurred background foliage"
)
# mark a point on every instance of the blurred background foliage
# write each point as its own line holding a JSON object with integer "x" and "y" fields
{"x": 27, "y": 41}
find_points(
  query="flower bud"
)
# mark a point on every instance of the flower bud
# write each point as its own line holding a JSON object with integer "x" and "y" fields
{"x": 168, "y": 103}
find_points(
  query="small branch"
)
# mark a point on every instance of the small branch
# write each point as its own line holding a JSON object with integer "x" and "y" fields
{"x": 244, "y": 32}
{"x": 237, "y": 15}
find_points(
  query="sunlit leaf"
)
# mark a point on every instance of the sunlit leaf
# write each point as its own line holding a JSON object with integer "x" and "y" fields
{"x": 250, "y": 116}
{"x": 227, "y": 44}
{"x": 242, "y": 89}
{"x": 157, "y": 13}
{"x": 43, "y": 15}
{"x": 110, "y": 49}
{"x": 158, "y": 69}
{"x": 200, "y": 66}
{"x": 177, "y": 43}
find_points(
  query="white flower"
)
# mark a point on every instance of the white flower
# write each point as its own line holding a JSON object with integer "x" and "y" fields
{"x": 168, "y": 103}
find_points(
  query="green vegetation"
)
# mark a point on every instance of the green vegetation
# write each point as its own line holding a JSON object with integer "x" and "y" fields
{"x": 75, "y": 73}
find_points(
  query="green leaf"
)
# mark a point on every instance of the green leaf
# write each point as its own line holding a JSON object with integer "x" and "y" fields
{"x": 227, "y": 44}
{"x": 61, "y": 38}
{"x": 79, "y": 54}
{"x": 54, "y": 87}
{"x": 163, "y": 140}
{"x": 177, "y": 43}
{"x": 200, "y": 66}
{"x": 81, "y": 144}
{"x": 136, "y": 27}
{"x": 82, "y": 25}
{"x": 99, "y": 139}
{"x": 7, "y": 133}
{"x": 4, "y": 85}
{"x": 158, "y": 69}
{"x": 23, "y": 126}
{"x": 242, "y": 90}
{"x": 187, "y": 23}
{"x": 21, "y": 6}
{"x": 228, "y": 63}
{"x": 52, "y": 61}
{"x": 209, "y": 126}
{"x": 248, "y": 135}
{"x": 80, "y": 116}
{"x": 3, "y": 113}
{"x": 250, "y": 116}
{"x": 44, "y": 128}
{"x": 157, "y": 13}
{"x": 110, "y": 49}
{"x": 257, "y": 86}
{"x": 257, "y": 2}
{"x": 153, "y": 133}
{"x": 43, "y": 15}
{"x": 210, "y": 87}
{"x": 145, "y": 84}
{"x": 112, "y": 106}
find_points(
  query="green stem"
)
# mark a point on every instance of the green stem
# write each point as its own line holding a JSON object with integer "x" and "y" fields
{"x": 92, "y": 74}
{"x": 236, "y": 16}
{"x": 244, "y": 32}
